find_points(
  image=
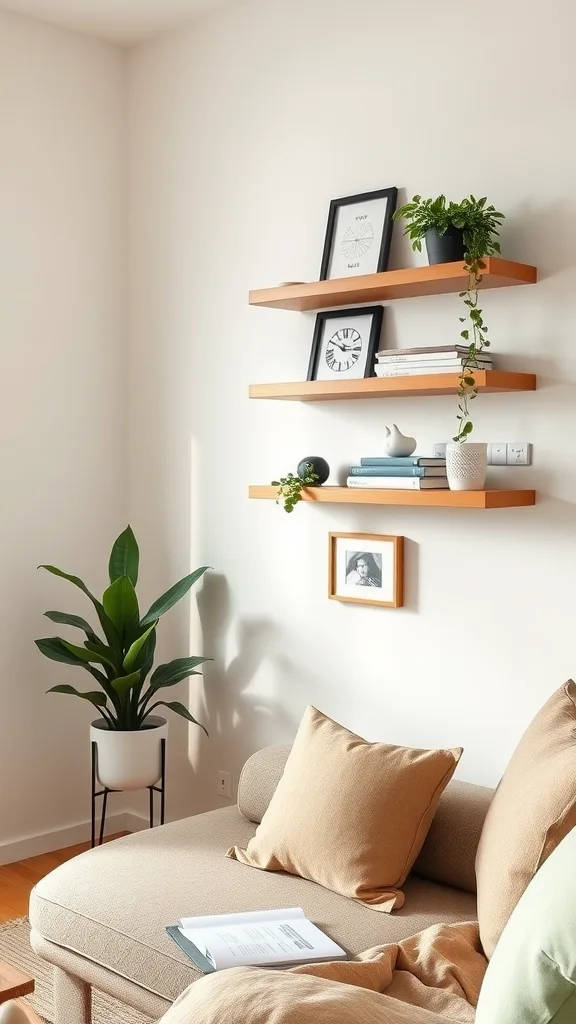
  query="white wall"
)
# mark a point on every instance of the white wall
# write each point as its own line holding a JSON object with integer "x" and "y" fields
{"x": 62, "y": 412}
{"x": 242, "y": 130}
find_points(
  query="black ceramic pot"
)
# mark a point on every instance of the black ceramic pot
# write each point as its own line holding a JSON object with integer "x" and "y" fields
{"x": 446, "y": 248}
{"x": 319, "y": 466}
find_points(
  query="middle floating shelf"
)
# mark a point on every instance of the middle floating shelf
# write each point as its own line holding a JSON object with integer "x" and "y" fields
{"x": 393, "y": 387}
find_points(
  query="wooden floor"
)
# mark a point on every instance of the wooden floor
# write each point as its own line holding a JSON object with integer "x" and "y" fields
{"x": 16, "y": 880}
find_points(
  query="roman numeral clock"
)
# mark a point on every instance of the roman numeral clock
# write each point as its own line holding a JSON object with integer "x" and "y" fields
{"x": 343, "y": 349}
{"x": 345, "y": 344}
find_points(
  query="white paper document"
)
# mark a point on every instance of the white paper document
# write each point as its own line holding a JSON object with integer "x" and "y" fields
{"x": 261, "y": 938}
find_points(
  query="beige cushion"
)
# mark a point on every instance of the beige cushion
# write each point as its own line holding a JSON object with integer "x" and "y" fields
{"x": 533, "y": 809}
{"x": 111, "y": 905}
{"x": 449, "y": 852}
{"x": 349, "y": 814}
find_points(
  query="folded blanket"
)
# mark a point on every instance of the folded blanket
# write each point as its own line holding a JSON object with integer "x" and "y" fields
{"x": 432, "y": 978}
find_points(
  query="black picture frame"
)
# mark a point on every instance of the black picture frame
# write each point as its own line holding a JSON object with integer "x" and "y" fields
{"x": 391, "y": 194}
{"x": 377, "y": 314}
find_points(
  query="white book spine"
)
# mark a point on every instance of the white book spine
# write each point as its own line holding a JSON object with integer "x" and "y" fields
{"x": 395, "y": 483}
{"x": 423, "y": 371}
{"x": 432, "y": 356}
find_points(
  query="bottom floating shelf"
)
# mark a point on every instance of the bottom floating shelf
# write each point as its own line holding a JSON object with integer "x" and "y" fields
{"x": 429, "y": 499}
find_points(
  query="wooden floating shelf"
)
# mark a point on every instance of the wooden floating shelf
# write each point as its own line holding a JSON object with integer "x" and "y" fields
{"x": 490, "y": 381}
{"x": 429, "y": 499}
{"x": 392, "y": 284}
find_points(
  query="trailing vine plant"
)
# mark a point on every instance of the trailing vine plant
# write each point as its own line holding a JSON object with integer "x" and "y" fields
{"x": 290, "y": 487}
{"x": 480, "y": 225}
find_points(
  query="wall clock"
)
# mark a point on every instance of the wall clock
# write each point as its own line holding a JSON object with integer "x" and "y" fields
{"x": 344, "y": 345}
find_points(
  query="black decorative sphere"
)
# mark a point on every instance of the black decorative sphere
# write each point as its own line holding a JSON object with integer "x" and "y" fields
{"x": 319, "y": 466}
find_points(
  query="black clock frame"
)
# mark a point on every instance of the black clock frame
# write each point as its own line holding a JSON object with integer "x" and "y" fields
{"x": 377, "y": 314}
{"x": 391, "y": 195}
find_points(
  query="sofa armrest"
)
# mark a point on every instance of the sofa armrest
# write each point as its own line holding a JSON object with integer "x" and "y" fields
{"x": 260, "y": 776}
{"x": 449, "y": 852}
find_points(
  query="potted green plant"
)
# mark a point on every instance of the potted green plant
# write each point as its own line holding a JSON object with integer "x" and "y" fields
{"x": 479, "y": 224}
{"x": 127, "y": 734}
{"x": 311, "y": 472}
{"x": 439, "y": 224}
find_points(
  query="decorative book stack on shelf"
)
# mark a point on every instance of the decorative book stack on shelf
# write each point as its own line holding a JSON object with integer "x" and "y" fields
{"x": 413, "y": 362}
{"x": 414, "y": 473}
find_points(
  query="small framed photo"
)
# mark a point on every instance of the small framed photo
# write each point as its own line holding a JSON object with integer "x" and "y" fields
{"x": 345, "y": 343}
{"x": 366, "y": 568}
{"x": 358, "y": 234}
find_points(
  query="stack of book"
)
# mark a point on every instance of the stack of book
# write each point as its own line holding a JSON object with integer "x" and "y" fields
{"x": 408, "y": 362}
{"x": 415, "y": 473}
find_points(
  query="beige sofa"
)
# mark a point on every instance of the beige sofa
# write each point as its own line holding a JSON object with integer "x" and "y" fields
{"x": 100, "y": 918}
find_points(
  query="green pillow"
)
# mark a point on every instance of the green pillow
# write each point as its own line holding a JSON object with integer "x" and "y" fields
{"x": 531, "y": 978}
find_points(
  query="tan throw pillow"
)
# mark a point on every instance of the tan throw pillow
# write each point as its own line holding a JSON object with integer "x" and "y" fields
{"x": 348, "y": 814}
{"x": 533, "y": 809}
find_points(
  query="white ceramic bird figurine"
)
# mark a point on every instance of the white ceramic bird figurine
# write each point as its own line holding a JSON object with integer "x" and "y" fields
{"x": 397, "y": 445}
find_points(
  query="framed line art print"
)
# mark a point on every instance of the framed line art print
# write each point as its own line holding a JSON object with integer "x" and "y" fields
{"x": 366, "y": 568}
{"x": 345, "y": 343}
{"x": 358, "y": 234}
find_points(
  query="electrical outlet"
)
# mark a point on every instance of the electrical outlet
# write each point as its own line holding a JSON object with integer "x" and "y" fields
{"x": 519, "y": 453}
{"x": 223, "y": 784}
{"x": 497, "y": 453}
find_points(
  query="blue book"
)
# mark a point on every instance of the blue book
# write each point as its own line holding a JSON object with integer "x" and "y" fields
{"x": 398, "y": 470}
{"x": 412, "y": 460}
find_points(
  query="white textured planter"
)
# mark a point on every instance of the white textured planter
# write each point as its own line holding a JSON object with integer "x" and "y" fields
{"x": 129, "y": 760}
{"x": 466, "y": 465}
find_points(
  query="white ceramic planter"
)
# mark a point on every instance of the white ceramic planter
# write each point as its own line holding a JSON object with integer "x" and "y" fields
{"x": 129, "y": 760}
{"x": 466, "y": 465}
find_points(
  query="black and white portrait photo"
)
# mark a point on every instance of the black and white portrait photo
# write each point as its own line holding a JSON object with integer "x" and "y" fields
{"x": 366, "y": 568}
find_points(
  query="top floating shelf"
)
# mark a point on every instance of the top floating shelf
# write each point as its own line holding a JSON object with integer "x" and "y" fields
{"x": 393, "y": 284}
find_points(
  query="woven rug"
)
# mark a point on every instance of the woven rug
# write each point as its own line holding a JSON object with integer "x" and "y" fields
{"x": 15, "y": 950}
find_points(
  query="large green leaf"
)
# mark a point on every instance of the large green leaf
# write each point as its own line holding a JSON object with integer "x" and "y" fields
{"x": 63, "y": 618}
{"x": 175, "y": 671}
{"x": 135, "y": 648}
{"x": 172, "y": 596}
{"x": 179, "y": 708}
{"x": 96, "y": 698}
{"x": 120, "y": 603}
{"x": 90, "y": 653}
{"x": 146, "y": 656}
{"x": 71, "y": 579}
{"x": 125, "y": 557}
{"x": 55, "y": 649}
{"x": 107, "y": 625}
{"x": 123, "y": 684}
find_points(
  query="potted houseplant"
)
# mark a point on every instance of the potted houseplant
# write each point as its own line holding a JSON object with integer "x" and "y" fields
{"x": 479, "y": 224}
{"x": 127, "y": 734}
{"x": 313, "y": 471}
{"x": 439, "y": 224}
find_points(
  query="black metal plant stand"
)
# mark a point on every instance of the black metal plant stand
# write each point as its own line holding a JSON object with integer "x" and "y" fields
{"x": 104, "y": 793}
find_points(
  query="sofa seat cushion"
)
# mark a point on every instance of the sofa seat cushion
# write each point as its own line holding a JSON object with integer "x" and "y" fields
{"x": 111, "y": 905}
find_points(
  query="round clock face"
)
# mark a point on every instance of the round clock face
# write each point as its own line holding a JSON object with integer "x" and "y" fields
{"x": 343, "y": 349}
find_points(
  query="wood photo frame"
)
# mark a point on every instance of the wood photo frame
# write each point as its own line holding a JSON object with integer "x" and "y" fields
{"x": 366, "y": 568}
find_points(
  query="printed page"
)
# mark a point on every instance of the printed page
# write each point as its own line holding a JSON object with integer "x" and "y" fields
{"x": 263, "y": 943}
{"x": 251, "y": 917}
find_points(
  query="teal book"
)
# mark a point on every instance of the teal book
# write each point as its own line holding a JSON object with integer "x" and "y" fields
{"x": 398, "y": 470}
{"x": 198, "y": 958}
{"x": 412, "y": 460}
